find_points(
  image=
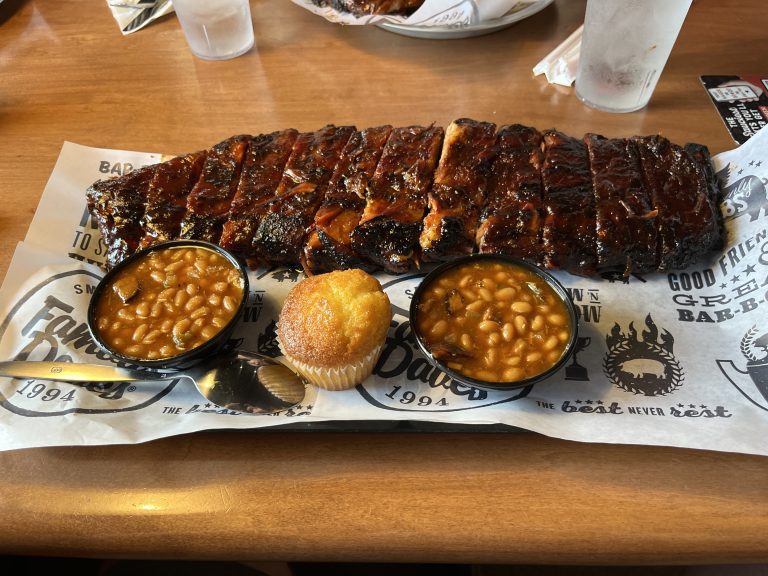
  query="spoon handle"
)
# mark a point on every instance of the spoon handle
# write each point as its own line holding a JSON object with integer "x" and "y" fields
{"x": 74, "y": 372}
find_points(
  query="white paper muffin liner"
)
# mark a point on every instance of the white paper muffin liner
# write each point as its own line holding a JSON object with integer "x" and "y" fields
{"x": 339, "y": 377}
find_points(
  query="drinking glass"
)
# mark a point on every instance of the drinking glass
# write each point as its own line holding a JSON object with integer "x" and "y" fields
{"x": 216, "y": 29}
{"x": 624, "y": 47}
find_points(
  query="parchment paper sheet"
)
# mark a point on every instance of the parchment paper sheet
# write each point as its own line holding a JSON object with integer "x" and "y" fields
{"x": 672, "y": 359}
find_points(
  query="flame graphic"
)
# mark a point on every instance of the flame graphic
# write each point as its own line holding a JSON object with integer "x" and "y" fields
{"x": 664, "y": 340}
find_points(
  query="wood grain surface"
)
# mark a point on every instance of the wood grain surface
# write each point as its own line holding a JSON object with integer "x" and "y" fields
{"x": 66, "y": 73}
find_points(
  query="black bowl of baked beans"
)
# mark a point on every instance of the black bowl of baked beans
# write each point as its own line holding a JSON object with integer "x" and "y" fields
{"x": 493, "y": 321}
{"x": 169, "y": 306}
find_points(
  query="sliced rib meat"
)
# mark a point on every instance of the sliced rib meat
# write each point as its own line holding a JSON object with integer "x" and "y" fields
{"x": 388, "y": 233}
{"x": 510, "y": 222}
{"x": 626, "y": 220}
{"x": 167, "y": 197}
{"x": 688, "y": 219}
{"x": 209, "y": 200}
{"x": 568, "y": 235}
{"x": 329, "y": 246}
{"x": 119, "y": 205}
{"x": 282, "y": 232}
{"x": 260, "y": 175}
{"x": 458, "y": 191}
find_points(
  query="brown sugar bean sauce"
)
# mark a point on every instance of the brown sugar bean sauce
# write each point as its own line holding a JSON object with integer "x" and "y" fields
{"x": 168, "y": 302}
{"x": 493, "y": 321}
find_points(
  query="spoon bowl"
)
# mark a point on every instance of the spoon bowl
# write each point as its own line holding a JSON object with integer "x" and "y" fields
{"x": 238, "y": 380}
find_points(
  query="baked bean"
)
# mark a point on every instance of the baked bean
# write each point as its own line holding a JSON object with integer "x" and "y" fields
{"x": 157, "y": 309}
{"x": 513, "y": 374}
{"x": 174, "y": 266}
{"x": 143, "y": 309}
{"x": 476, "y": 306}
{"x": 180, "y": 298}
{"x": 521, "y": 325}
{"x": 554, "y": 356}
{"x": 208, "y": 332}
{"x": 229, "y": 303}
{"x": 486, "y": 375}
{"x": 134, "y": 349}
{"x": 181, "y": 327}
{"x": 466, "y": 342}
{"x": 533, "y": 357}
{"x": 506, "y": 293}
{"x": 522, "y": 307}
{"x": 152, "y": 337}
{"x": 166, "y": 294}
{"x": 125, "y": 314}
{"x": 170, "y": 308}
{"x": 439, "y": 329}
{"x": 194, "y": 303}
{"x": 204, "y": 311}
{"x": 140, "y": 332}
{"x": 557, "y": 319}
{"x": 551, "y": 343}
{"x": 510, "y": 324}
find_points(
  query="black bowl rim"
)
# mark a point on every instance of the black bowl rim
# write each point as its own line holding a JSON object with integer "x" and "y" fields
{"x": 458, "y": 376}
{"x": 185, "y": 358}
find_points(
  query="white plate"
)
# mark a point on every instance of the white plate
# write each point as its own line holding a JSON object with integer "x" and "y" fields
{"x": 450, "y": 32}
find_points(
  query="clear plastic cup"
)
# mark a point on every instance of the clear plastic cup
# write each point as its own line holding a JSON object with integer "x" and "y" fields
{"x": 624, "y": 47}
{"x": 216, "y": 29}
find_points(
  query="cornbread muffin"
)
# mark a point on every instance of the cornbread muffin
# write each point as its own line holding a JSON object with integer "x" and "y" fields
{"x": 332, "y": 327}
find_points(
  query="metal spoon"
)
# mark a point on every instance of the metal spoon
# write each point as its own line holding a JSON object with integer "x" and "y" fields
{"x": 240, "y": 380}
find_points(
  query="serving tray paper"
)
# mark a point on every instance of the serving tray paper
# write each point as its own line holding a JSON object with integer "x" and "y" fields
{"x": 678, "y": 359}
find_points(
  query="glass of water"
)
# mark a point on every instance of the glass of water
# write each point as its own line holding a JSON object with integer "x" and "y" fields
{"x": 216, "y": 29}
{"x": 624, "y": 47}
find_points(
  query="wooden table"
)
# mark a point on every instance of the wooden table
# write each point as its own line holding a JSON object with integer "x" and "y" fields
{"x": 66, "y": 73}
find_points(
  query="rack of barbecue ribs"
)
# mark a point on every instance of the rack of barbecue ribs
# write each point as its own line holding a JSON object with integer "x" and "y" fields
{"x": 372, "y": 7}
{"x": 390, "y": 199}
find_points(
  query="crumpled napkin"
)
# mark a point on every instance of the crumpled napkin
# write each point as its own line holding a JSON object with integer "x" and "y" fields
{"x": 132, "y": 15}
{"x": 560, "y": 65}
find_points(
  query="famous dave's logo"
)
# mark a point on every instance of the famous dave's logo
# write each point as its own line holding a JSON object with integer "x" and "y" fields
{"x": 752, "y": 381}
{"x": 747, "y": 195}
{"x": 45, "y": 324}
{"x": 642, "y": 365}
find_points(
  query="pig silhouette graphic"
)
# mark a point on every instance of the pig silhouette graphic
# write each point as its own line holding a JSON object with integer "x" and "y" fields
{"x": 747, "y": 195}
{"x": 642, "y": 367}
